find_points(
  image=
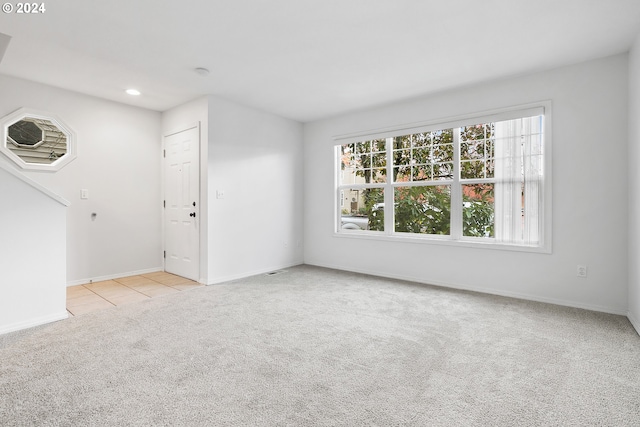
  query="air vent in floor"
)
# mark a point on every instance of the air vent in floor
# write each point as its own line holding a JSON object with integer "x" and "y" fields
{"x": 273, "y": 273}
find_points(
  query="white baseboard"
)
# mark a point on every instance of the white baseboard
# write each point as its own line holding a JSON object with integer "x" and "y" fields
{"x": 634, "y": 322}
{"x": 225, "y": 279}
{"x": 33, "y": 322}
{"x": 491, "y": 291}
{"x": 112, "y": 276}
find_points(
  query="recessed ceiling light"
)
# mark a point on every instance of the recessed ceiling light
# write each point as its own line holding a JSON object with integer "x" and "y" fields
{"x": 202, "y": 71}
{"x": 133, "y": 92}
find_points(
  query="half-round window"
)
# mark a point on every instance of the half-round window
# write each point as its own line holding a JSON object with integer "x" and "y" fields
{"x": 37, "y": 140}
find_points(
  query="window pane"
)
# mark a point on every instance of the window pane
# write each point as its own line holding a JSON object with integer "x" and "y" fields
{"x": 421, "y": 173}
{"x": 401, "y": 157}
{"x": 402, "y": 174}
{"x": 422, "y": 139}
{"x": 477, "y": 132}
{"x": 362, "y": 209}
{"x": 423, "y": 210}
{"x": 421, "y": 155}
{"x": 519, "y": 185}
{"x": 477, "y": 151}
{"x": 443, "y": 153}
{"x": 443, "y": 171}
{"x": 424, "y": 156}
{"x": 379, "y": 160}
{"x": 378, "y": 175}
{"x": 400, "y": 142}
{"x": 353, "y": 176}
{"x": 380, "y": 144}
{"x": 444, "y": 136}
{"x": 470, "y": 169}
{"x": 478, "y": 210}
{"x": 490, "y": 147}
{"x": 363, "y": 162}
{"x": 471, "y": 150}
{"x": 490, "y": 168}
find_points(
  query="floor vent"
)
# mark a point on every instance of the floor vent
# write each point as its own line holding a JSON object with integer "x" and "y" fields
{"x": 273, "y": 273}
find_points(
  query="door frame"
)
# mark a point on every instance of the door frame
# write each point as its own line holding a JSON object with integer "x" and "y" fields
{"x": 202, "y": 208}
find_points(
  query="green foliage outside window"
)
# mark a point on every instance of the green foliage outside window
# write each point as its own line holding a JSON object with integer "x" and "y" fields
{"x": 478, "y": 219}
{"x": 423, "y": 210}
{"x": 374, "y": 208}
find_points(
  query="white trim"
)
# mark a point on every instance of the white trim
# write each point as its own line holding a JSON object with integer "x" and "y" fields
{"x": 634, "y": 322}
{"x": 226, "y": 279}
{"x": 17, "y": 144}
{"x": 489, "y": 291}
{"x": 187, "y": 127}
{"x": 468, "y": 242}
{"x": 21, "y": 113}
{"x": 455, "y": 238}
{"x": 112, "y": 276}
{"x": 34, "y": 184}
{"x": 456, "y": 198}
{"x": 34, "y": 322}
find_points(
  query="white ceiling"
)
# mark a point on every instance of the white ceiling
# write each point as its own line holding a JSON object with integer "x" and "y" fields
{"x": 304, "y": 59}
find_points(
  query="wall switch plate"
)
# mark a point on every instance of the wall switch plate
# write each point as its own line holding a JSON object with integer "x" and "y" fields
{"x": 84, "y": 193}
{"x": 581, "y": 271}
{"x": 219, "y": 194}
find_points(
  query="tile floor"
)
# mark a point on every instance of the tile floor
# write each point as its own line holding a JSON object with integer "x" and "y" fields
{"x": 99, "y": 295}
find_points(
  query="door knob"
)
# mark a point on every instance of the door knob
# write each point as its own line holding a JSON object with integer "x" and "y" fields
{"x": 192, "y": 214}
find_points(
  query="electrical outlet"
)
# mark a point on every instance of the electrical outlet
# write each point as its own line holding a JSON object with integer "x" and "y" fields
{"x": 581, "y": 271}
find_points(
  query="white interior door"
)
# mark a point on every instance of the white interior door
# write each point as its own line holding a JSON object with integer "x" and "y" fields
{"x": 182, "y": 203}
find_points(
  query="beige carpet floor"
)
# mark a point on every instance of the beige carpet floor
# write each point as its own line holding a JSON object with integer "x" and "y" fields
{"x": 318, "y": 347}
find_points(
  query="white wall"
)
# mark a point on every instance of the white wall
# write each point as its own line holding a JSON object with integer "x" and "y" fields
{"x": 634, "y": 184}
{"x": 256, "y": 159}
{"x": 118, "y": 161}
{"x": 589, "y": 193}
{"x": 32, "y": 281}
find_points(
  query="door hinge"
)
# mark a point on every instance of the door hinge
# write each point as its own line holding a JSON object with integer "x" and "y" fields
{"x": 164, "y": 153}
{"x": 164, "y": 254}
{"x": 164, "y": 203}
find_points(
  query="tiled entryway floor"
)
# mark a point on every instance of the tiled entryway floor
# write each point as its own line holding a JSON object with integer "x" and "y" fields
{"x": 99, "y": 295}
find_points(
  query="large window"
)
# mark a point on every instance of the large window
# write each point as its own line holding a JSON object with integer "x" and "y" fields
{"x": 479, "y": 181}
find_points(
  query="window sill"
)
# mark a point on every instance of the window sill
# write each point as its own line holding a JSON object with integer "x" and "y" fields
{"x": 439, "y": 241}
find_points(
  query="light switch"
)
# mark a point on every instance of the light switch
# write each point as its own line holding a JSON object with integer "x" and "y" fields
{"x": 219, "y": 194}
{"x": 84, "y": 193}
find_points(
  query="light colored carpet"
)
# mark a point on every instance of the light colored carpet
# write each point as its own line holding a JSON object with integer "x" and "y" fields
{"x": 317, "y": 347}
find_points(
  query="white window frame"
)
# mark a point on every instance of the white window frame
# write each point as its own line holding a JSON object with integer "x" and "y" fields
{"x": 455, "y": 238}
{"x": 27, "y": 113}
